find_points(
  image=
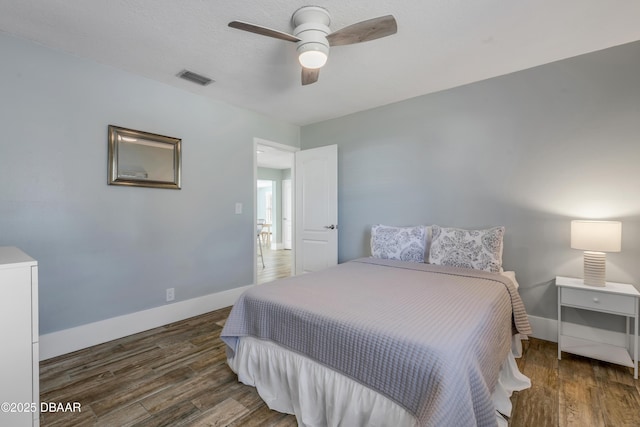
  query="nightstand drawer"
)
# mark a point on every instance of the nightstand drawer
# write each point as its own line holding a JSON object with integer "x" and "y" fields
{"x": 599, "y": 301}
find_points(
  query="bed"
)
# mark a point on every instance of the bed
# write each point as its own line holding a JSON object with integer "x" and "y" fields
{"x": 384, "y": 342}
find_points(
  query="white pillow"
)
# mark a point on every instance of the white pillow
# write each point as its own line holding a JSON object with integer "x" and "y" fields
{"x": 401, "y": 243}
{"x": 477, "y": 249}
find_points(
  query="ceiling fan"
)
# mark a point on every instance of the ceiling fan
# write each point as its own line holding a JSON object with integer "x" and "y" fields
{"x": 313, "y": 38}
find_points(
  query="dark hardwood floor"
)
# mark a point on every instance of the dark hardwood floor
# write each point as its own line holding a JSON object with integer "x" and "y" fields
{"x": 176, "y": 375}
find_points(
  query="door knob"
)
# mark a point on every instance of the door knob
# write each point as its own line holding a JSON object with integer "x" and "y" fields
{"x": 331, "y": 227}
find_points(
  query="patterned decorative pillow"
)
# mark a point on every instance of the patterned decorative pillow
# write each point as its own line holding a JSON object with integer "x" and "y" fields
{"x": 401, "y": 243}
{"x": 477, "y": 249}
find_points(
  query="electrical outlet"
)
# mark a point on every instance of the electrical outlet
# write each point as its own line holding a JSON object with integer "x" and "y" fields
{"x": 171, "y": 294}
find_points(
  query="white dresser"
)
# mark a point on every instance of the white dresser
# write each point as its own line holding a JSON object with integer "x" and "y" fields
{"x": 19, "y": 370}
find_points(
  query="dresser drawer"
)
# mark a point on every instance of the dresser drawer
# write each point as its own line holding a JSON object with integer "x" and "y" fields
{"x": 599, "y": 301}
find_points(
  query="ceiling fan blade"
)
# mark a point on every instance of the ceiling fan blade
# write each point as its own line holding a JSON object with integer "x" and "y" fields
{"x": 310, "y": 75}
{"x": 364, "y": 31}
{"x": 263, "y": 31}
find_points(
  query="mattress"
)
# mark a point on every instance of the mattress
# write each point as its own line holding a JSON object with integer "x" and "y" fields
{"x": 431, "y": 339}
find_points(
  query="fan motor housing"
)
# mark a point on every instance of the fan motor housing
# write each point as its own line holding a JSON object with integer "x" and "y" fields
{"x": 311, "y": 27}
{"x": 306, "y": 14}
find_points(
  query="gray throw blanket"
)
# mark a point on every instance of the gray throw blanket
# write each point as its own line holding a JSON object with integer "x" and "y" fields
{"x": 428, "y": 337}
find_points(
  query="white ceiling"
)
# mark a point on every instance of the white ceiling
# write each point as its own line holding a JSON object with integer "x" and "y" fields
{"x": 439, "y": 44}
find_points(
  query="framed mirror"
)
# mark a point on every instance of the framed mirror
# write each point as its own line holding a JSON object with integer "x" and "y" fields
{"x": 143, "y": 159}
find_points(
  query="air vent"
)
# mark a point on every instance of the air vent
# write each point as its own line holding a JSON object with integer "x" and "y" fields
{"x": 195, "y": 78}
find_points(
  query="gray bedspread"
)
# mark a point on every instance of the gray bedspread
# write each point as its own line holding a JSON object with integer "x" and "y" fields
{"x": 430, "y": 338}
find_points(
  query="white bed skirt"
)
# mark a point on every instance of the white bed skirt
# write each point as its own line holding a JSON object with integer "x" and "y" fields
{"x": 318, "y": 396}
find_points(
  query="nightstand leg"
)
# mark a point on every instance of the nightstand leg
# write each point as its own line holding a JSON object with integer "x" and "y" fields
{"x": 635, "y": 346}
{"x": 629, "y": 344}
{"x": 560, "y": 324}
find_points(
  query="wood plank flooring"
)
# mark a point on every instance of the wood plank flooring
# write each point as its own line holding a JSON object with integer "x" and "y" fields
{"x": 278, "y": 264}
{"x": 177, "y": 375}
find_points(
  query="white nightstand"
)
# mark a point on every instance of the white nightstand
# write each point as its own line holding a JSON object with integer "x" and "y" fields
{"x": 615, "y": 298}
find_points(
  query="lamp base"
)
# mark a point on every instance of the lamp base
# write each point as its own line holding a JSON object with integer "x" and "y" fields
{"x": 595, "y": 268}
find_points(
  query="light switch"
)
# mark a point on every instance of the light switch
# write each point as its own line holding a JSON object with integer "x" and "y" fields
{"x": 238, "y": 208}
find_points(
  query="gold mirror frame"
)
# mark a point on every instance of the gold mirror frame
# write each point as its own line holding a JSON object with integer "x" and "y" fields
{"x": 144, "y": 159}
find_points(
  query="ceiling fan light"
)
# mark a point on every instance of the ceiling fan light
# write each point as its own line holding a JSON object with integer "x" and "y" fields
{"x": 312, "y": 59}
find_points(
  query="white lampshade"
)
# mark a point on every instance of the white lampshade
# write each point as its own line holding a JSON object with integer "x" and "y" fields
{"x": 595, "y": 238}
{"x": 599, "y": 236}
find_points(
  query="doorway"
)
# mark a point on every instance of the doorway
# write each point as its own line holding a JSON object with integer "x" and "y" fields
{"x": 274, "y": 165}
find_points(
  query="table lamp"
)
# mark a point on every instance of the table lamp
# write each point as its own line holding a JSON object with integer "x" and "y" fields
{"x": 595, "y": 238}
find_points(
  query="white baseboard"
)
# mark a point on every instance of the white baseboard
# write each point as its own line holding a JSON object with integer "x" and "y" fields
{"x": 547, "y": 329}
{"x": 544, "y": 329}
{"x": 72, "y": 339}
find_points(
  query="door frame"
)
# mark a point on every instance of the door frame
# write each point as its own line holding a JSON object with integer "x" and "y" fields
{"x": 281, "y": 147}
{"x": 289, "y": 196}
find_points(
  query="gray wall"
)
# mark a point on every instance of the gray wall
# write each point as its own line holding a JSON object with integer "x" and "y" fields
{"x": 530, "y": 150}
{"x": 103, "y": 250}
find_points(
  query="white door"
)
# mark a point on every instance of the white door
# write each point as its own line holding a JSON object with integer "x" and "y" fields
{"x": 286, "y": 213}
{"x": 316, "y": 222}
